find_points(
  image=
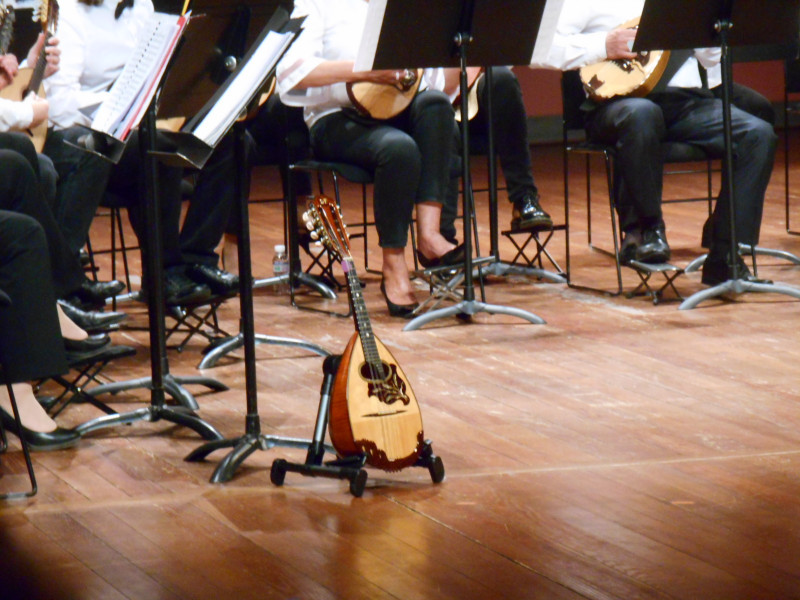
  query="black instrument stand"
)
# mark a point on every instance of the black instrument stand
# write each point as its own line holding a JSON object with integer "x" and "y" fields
{"x": 500, "y": 268}
{"x": 160, "y": 379}
{"x": 469, "y": 305}
{"x": 706, "y": 25}
{"x": 352, "y": 467}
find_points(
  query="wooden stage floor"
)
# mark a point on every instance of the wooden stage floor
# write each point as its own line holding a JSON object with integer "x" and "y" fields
{"x": 622, "y": 450}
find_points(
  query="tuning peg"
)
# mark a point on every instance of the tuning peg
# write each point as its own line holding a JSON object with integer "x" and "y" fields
{"x": 309, "y": 226}
{"x": 314, "y": 235}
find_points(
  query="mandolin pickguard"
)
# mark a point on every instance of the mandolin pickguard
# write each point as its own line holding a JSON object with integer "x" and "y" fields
{"x": 388, "y": 390}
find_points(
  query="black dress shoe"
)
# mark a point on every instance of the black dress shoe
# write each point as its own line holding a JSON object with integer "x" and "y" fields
{"x": 528, "y": 214}
{"x": 39, "y": 440}
{"x": 91, "y": 321}
{"x": 91, "y": 343}
{"x": 454, "y": 257}
{"x": 180, "y": 290}
{"x": 654, "y": 248}
{"x": 630, "y": 244}
{"x": 95, "y": 293}
{"x": 404, "y": 311}
{"x": 716, "y": 270}
{"x": 220, "y": 282}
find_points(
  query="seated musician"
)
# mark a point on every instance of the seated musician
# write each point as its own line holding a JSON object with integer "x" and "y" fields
{"x": 510, "y": 140}
{"x": 411, "y": 154}
{"x": 97, "y": 38}
{"x": 588, "y": 32}
{"x": 69, "y": 280}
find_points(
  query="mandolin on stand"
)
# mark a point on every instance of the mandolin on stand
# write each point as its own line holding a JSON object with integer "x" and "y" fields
{"x": 373, "y": 411}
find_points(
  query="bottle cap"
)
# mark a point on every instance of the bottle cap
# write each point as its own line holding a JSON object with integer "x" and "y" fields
{"x": 280, "y": 248}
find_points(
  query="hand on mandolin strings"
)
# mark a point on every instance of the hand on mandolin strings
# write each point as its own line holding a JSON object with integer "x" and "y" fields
{"x": 52, "y": 53}
{"x": 397, "y": 77}
{"x": 619, "y": 42}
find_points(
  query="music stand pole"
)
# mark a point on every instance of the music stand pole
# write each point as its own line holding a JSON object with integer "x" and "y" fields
{"x": 738, "y": 284}
{"x": 467, "y": 306}
{"x": 160, "y": 378}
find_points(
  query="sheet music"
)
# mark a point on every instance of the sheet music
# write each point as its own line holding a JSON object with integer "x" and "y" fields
{"x": 547, "y": 30}
{"x": 240, "y": 88}
{"x": 369, "y": 39}
{"x": 134, "y": 88}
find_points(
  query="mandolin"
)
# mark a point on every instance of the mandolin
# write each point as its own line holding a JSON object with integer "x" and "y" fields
{"x": 373, "y": 410}
{"x": 30, "y": 79}
{"x": 384, "y": 100}
{"x": 636, "y": 77}
{"x": 7, "y": 17}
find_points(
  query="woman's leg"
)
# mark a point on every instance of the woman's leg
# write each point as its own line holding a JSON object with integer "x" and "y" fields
{"x": 430, "y": 122}
{"x": 31, "y": 414}
{"x": 393, "y": 157}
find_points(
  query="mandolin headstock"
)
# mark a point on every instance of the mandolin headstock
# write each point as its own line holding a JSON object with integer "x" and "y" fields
{"x": 324, "y": 219}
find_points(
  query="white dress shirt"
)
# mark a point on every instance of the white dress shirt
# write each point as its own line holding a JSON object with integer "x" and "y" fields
{"x": 94, "y": 49}
{"x": 15, "y": 115}
{"x": 332, "y": 31}
{"x": 580, "y": 38}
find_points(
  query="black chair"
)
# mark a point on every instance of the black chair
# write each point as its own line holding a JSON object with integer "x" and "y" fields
{"x": 790, "y": 108}
{"x": 575, "y": 142}
{"x": 26, "y": 451}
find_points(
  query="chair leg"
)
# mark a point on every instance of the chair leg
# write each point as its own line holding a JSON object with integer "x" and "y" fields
{"x": 26, "y": 451}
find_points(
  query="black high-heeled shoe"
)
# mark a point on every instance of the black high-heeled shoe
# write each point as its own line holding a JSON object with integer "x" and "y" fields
{"x": 452, "y": 258}
{"x": 404, "y": 311}
{"x": 41, "y": 440}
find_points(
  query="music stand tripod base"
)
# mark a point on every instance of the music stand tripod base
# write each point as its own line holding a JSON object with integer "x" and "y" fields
{"x": 469, "y": 308}
{"x": 237, "y": 341}
{"x": 299, "y": 278}
{"x": 152, "y": 413}
{"x": 738, "y": 286}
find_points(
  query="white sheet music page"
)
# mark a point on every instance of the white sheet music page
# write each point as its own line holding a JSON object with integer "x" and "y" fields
{"x": 134, "y": 88}
{"x": 369, "y": 39}
{"x": 241, "y": 88}
{"x": 547, "y": 30}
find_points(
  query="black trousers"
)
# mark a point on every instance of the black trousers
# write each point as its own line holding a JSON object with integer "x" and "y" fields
{"x": 510, "y": 131}
{"x": 20, "y": 192}
{"x": 637, "y": 127}
{"x": 411, "y": 157}
{"x": 31, "y": 346}
{"x": 85, "y": 183}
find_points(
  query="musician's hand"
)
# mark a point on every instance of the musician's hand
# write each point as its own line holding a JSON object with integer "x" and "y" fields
{"x": 8, "y": 69}
{"x": 52, "y": 54}
{"x": 385, "y": 76}
{"x": 618, "y": 44}
{"x": 40, "y": 109}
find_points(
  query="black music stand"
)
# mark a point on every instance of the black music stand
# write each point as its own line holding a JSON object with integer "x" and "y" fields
{"x": 252, "y": 439}
{"x": 438, "y": 33}
{"x": 187, "y": 91}
{"x": 161, "y": 380}
{"x": 683, "y": 24}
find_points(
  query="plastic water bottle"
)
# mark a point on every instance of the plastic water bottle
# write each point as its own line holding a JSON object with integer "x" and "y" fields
{"x": 280, "y": 266}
